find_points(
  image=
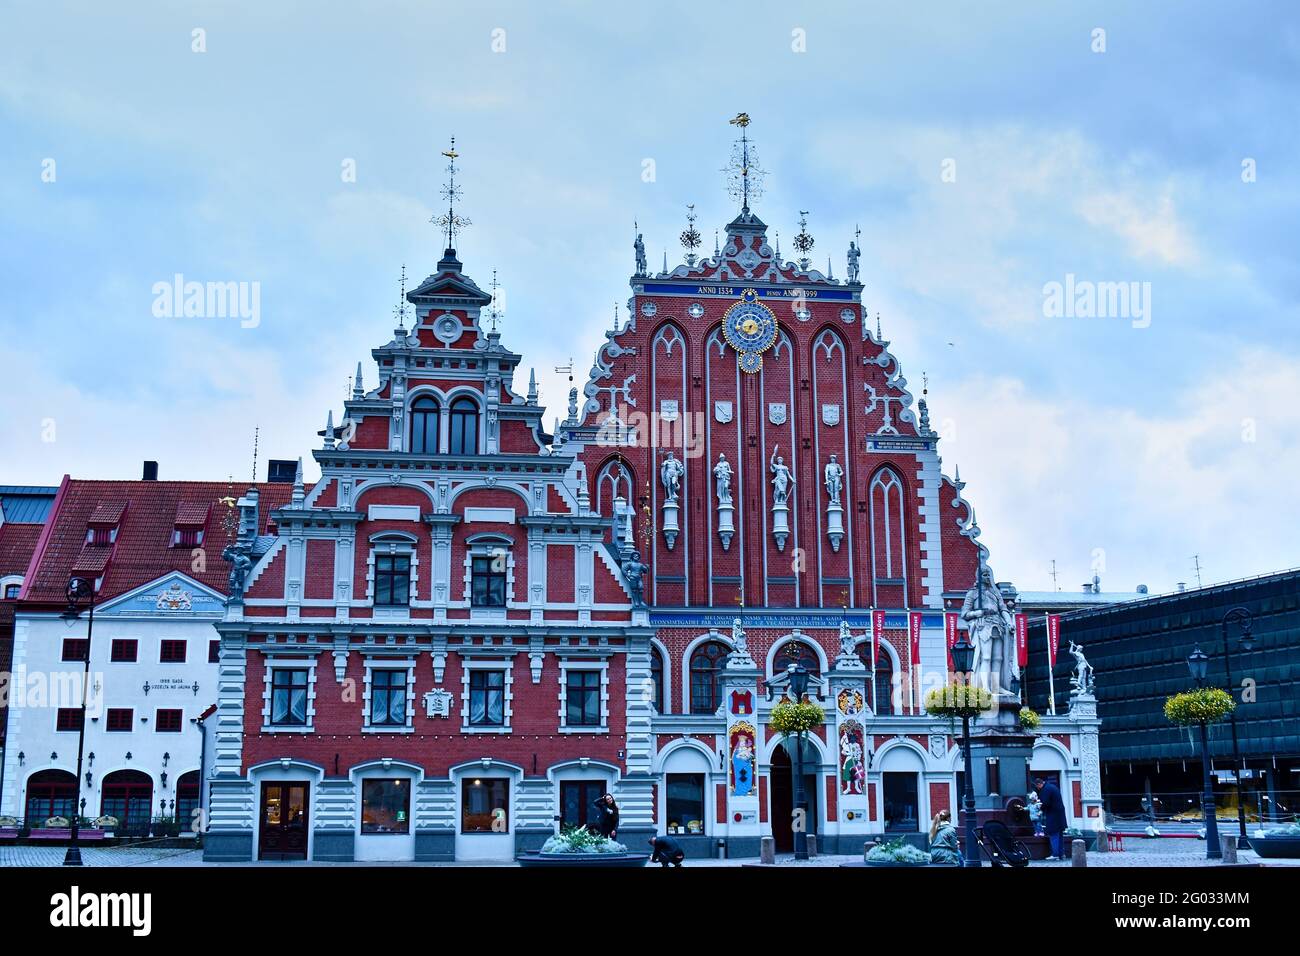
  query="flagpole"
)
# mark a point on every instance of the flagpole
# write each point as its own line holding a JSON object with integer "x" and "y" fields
{"x": 1051, "y": 665}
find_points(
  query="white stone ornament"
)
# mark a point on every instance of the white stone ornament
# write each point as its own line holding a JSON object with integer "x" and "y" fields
{"x": 723, "y": 412}
{"x": 847, "y": 315}
{"x": 649, "y": 309}
{"x": 447, "y": 328}
{"x": 669, "y": 409}
{"x": 776, "y": 413}
{"x": 830, "y": 415}
{"x": 437, "y": 703}
{"x": 695, "y": 310}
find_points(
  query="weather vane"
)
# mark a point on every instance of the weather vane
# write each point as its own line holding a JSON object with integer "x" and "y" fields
{"x": 449, "y": 222}
{"x": 400, "y": 310}
{"x": 745, "y": 176}
{"x": 493, "y": 312}
{"x": 804, "y": 240}
{"x": 690, "y": 235}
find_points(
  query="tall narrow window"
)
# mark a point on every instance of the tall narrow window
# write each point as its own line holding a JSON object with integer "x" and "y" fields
{"x": 392, "y": 580}
{"x": 582, "y": 699}
{"x": 426, "y": 416}
{"x": 706, "y": 663}
{"x": 488, "y": 580}
{"x": 887, "y": 544}
{"x": 388, "y": 698}
{"x": 882, "y": 701}
{"x": 487, "y": 698}
{"x": 463, "y": 438}
{"x": 289, "y": 697}
{"x": 657, "y": 680}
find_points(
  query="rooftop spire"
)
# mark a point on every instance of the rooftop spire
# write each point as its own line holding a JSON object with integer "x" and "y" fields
{"x": 450, "y": 223}
{"x": 399, "y": 310}
{"x": 745, "y": 176}
{"x": 358, "y": 391}
{"x": 690, "y": 235}
{"x": 493, "y": 312}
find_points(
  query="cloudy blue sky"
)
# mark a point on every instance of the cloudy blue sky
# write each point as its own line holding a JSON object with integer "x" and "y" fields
{"x": 1093, "y": 442}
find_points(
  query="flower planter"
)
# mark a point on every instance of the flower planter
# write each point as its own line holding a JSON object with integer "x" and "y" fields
{"x": 894, "y": 863}
{"x": 580, "y": 860}
{"x": 1277, "y": 847}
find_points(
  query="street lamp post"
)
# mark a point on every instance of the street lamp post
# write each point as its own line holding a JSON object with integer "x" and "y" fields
{"x": 1243, "y": 618}
{"x": 78, "y": 590}
{"x": 799, "y": 687}
{"x": 963, "y": 654}
{"x": 1199, "y": 664}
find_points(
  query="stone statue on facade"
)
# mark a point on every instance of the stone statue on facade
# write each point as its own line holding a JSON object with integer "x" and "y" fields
{"x": 992, "y": 631}
{"x": 782, "y": 479}
{"x": 1081, "y": 682}
{"x": 739, "y": 643}
{"x": 722, "y": 478}
{"x": 240, "y": 565}
{"x": 848, "y": 647}
{"x": 833, "y": 475}
{"x": 854, "y": 254}
{"x": 671, "y": 472}
{"x": 634, "y": 570}
{"x": 641, "y": 267}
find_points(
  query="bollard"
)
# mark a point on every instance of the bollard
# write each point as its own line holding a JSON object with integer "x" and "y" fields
{"x": 1103, "y": 843}
{"x": 812, "y": 845}
{"x": 1229, "y": 844}
{"x": 866, "y": 848}
{"x": 1078, "y": 853}
{"x": 767, "y": 850}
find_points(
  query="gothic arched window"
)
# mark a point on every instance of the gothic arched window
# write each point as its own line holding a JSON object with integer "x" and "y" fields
{"x": 796, "y": 652}
{"x": 887, "y": 526}
{"x": 463, "y": 439}
{"x": 882, "y": 701}
{"x": 426, "y": 414}
{"x": 657, "y": 680}
{"x": 706, "y": 665}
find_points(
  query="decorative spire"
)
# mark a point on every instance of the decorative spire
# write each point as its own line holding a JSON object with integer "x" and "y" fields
{"x": 358, "y": 391}
{"x": 400, "y": 310}
{"x": 924, "y": 405}
{"x": 532, "y": 386}
{"x": 830, "y": 270}
{"x": 616, "y": 317}
{"x": 804, "y": 240}
{"x": 745, "y": 176}
{"x": 665, "y": 272}
{"x": 878, "y": 338}
{"x": 716, "y": 251}
{"x": 690, "y": 235}
{"x": 329, "y": 430}
{"x": 494, "y": 314}
{"x": 450, "y": 223}
{"x": 299, "y": 492}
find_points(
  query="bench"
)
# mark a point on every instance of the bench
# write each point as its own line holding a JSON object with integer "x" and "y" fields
{"x": 43, "y": 834}
{"x": 8, "y": 833}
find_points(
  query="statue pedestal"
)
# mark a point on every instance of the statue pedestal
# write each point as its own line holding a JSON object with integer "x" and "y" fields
{"x": 780, "y": 524}
{"x": 726, "y": 523}
{"x": 835, "y": 525}
{"x": 671, "y": 527}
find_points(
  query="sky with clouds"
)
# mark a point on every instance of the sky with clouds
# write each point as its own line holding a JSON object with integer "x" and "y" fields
{"x": 1108, "y": 444}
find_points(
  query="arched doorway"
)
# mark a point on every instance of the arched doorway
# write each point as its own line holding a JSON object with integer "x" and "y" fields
{"x": 128, "y": 795}
{"x": 781, "y": 801}
{"x": 50, "y": 793}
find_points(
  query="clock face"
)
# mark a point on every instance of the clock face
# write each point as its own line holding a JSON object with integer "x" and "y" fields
{"x": 751, "y": 329}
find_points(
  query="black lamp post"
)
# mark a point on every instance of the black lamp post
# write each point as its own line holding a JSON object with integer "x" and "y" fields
{"x": 1247, "y": 641}
{"x": 963, "y": 656}
{"x": 1199, "y": 664}
{"x": 78, "y": 590}
{"x": 799, "y": 687}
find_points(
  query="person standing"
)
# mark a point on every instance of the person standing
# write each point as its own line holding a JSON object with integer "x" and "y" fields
{"x": 666, "y": 851}
{"x": 607, "y": 816}
{"x": 1035, "y": 808}
{"x": 1053, "y": 816}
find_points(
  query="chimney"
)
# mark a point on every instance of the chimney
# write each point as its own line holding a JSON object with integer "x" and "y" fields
{"x": 281, "y": 471}
{"x": 150, "y": 471}
{"x": 1182, "y": 586}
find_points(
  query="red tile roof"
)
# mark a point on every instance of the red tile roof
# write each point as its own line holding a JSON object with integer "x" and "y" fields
{"x": 17, "y": 545}
{"x": 148, "y": 512}
{"x": 192, "y": 512}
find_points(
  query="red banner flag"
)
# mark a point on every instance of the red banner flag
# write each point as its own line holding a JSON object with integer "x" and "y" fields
{"x": 950, "y": 633}
{"x": 1022, "y": 639}
{"x": 877, "y": 633}
{"x": 1053, "y": 638}
{"x": 914, "y": 635}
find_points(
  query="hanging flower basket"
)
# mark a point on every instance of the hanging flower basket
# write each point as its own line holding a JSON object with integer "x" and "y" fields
{"x": 1029, "y": 719}
{"x": 958, "y": 700}
{"x": 1205, "y": 705}
{"x": 789, "y": 718}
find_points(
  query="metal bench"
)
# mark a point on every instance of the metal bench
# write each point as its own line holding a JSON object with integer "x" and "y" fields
{"x": 49, "y": 834}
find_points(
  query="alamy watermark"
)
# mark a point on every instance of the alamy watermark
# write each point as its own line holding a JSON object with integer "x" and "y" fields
{"x": 177, "y": 299}
{"x": 1085, "y": 299}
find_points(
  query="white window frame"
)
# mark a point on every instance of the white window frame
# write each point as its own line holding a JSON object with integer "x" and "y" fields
{"x": 507, "y": 707}
{"x": 486, "y": 548}
{"x": 289, "y": 663}
{"x": 584, "y": 665}
{"x": 374, "y": 663}
{"x": 394, "y": 543}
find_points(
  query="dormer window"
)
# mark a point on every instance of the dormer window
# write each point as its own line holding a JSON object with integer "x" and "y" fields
{"x": 101, "y": 535}
{"x": 101, "y": 529}
{"x": 187, "y": 531}
{"x": 426, "y": 416}
{"x": 463, "y": 438}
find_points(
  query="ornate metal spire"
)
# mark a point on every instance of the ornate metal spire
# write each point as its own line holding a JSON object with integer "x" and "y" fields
{"x": 804, "y": 240}
{"x": 744, "y": 175}
{"x": 494, "y": 314}
{"x": 690, "y": 235}
{"x": 400, "y": 310}
{"x": 450, "y": 223}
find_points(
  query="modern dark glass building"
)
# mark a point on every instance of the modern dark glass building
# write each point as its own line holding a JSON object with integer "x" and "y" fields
{"x": 1139, "y": 652}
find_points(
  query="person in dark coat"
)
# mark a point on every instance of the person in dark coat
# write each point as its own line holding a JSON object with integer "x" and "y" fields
{"x": 1054, "y": 822}
{"x": 666, "y": 851}
{"x": 607, "y": 817}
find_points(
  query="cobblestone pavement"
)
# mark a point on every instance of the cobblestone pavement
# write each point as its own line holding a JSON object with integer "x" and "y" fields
{"x": 1137, "y": 853}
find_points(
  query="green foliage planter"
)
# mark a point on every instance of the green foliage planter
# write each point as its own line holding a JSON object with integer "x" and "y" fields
{"x": 897, "y": 853}
{"x": 788, "y": 718}
{"x": 958, "y": 700}
{"x": 578, "y": 846}
{"x": 1029, "y": 719}
{"x": 1205, "y": 705}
